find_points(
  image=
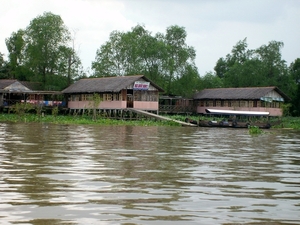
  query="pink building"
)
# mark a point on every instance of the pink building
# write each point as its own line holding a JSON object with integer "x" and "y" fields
{"x": 262, "y": 99}
{"x": 121, "y": 92}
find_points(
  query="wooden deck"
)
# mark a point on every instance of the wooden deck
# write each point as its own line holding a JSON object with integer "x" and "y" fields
{"x": 145, "y": 113}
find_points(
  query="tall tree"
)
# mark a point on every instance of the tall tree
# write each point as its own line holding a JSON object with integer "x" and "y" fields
{"x": 178, "y": 54}
{"x": 162, "y": 58}
{"x": 109, "y": 60}
{"x": 15, "y": 45}
{"x": 210, "y": 80}
{"x": 295, "y": 71}
{"x": 46, "y": 38}
{"x": 274, "y": 68}
{"x": 188, "y": 83}
{"x": 3, "y": 67}
{"x": 259, "y": 67}
{"x": 239, "y": 55}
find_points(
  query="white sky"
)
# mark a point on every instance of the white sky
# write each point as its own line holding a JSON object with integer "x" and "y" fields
{"x": 213, "y": 26}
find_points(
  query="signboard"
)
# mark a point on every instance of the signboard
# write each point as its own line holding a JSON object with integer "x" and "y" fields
{"x": 141, "y": 85}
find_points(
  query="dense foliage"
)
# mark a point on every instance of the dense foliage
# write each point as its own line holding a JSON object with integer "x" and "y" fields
{"x": 164, "y": 58}
{"x": 44, "y": 52}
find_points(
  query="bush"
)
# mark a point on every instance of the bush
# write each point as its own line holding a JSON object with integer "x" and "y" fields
{"x": 253, "y": 130}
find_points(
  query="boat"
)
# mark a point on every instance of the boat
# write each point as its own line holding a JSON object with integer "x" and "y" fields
{"x": 234, "y": 119}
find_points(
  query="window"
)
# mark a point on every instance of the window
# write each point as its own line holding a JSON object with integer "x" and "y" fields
{"x": 107, "y": 97}
{"x": 116, "y": 97}
{"x": 75, "y": 97}
{"x": 86, "y": 97}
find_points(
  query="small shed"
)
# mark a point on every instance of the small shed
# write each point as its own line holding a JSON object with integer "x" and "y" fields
{"x": 119, "y": 92}
{"x": 264, "y": 99}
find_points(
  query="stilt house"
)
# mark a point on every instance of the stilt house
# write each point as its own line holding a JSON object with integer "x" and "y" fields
{"x": 120, "y": 92}
{"x": 13, "y": 91}
{"x": 263, "y": 99}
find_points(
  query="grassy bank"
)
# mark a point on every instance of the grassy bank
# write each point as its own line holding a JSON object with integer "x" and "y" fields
{"x": 85, "y": 119}
{"x": 286, "y": 122}
{"x": 289, "y": 122}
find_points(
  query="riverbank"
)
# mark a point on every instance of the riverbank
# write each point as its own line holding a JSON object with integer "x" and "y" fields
{"x": 286, "y": 122}
{"x": 80, "y": 120}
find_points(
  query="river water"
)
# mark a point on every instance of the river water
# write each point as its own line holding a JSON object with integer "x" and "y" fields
{"x": 70, "y": 174}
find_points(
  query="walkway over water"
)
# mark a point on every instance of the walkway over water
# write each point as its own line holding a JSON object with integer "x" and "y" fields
{"x": 145, "y": 113}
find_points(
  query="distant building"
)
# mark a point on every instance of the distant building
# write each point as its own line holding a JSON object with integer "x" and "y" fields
{"x": 119, "y": 92}
{"x": 264, "y": 99}
{"x": 13, "y": 91}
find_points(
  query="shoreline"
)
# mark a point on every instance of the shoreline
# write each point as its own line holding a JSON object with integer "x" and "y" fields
{"x": 292, "y": 123}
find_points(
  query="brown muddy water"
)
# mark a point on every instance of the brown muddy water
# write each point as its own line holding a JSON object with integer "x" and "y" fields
{"x": 62, "y": 174}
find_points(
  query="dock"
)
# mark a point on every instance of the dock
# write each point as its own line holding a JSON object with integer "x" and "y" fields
{"x": 156, "y": 116}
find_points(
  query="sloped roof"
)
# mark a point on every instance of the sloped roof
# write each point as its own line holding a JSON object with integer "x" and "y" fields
{"x": 237, "y": 93}
{"x": 16, "y": 86}
{"x": 105, "y": 84}
{"x": 13, "y": 85}
{"x": 6, "y": 82}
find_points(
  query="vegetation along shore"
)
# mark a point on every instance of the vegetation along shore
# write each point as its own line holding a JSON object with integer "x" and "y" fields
{"x": 285, "y": 122}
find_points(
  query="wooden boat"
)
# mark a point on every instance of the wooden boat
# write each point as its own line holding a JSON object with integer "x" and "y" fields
{"x": 234, "y": 119}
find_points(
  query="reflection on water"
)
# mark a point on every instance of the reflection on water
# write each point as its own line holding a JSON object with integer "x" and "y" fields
{"x": 59, "y": 174}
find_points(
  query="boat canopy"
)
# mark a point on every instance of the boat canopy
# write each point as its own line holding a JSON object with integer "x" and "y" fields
{"x": 234, "y": 112}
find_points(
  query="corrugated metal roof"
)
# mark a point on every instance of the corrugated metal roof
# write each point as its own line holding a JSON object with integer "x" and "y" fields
{"x": 105, "y": 84}
{"x": 237, "y": 93}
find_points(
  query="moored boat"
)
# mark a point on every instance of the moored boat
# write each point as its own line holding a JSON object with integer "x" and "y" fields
{"x": 234, "y": 119}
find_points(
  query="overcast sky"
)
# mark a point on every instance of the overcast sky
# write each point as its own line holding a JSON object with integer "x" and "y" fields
{"x": 213, "y": 26}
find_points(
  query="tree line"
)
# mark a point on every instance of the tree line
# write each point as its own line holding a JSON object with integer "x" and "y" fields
{"x": 44, "y": 52}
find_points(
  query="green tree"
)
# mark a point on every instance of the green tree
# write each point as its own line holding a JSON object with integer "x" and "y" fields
{"x": 15, "y": 45}
{"x": 221, "y": 67}
{"x": 178, "y": 54}
{"x": 211, "y": 80}
{"x": 295, "y": 72}
{"x": 47, "y": 52}
{"x": 4, "y": 67}
{"x": 162, "y": 58}
{"x": 188, "y": 83}
{"x": 127, "y": 53}
{"x": 239, "y": 55}
{"x": 263, "y": 66}
{"x": 274, "y": 69}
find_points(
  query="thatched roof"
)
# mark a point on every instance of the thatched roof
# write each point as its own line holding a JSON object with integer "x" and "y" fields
{"x": 13, "y": 85}
{"x": 26, "y": 87}
{"x": 6, "y": 82}
{"x": 237, "y": 93}
{"x": 105, "y": 84}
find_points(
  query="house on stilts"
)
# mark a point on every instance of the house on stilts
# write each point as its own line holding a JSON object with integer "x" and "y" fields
{"x": 117, "y": 95}
{"x": 13, "y": 91}
{"x": 261, "y": 99}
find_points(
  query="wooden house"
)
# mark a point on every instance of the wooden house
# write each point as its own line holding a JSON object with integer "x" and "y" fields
{"x": 263, "y": 99}
{"x": 120, "y": 92}
{"x": 13, "y": 91}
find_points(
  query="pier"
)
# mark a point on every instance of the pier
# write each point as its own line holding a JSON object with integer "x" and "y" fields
{"x": 156, "y": 116}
